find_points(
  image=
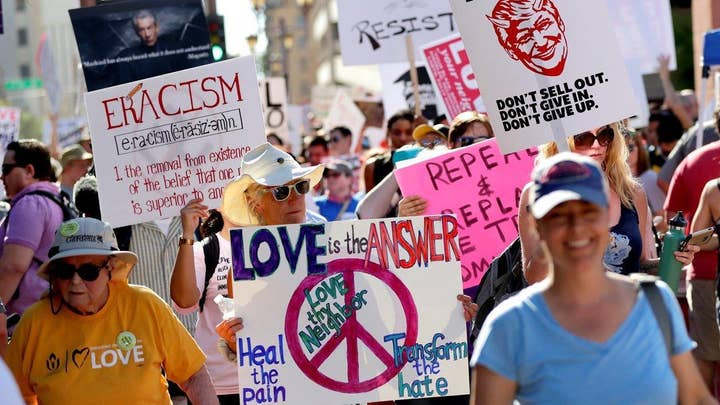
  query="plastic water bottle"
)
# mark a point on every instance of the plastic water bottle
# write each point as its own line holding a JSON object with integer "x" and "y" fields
{"x": 670, "y": 268}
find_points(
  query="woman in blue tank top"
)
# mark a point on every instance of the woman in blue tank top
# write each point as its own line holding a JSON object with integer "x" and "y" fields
{"x": 631, "y": 243}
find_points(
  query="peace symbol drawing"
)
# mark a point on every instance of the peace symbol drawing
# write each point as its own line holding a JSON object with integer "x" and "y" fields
{"x": 351, "y": 332}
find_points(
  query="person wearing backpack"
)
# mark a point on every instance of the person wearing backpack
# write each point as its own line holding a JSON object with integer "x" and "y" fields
{"x": 28, "y": 230}
{"x": 202, "y": 269}
{"x": 583, "y": 334}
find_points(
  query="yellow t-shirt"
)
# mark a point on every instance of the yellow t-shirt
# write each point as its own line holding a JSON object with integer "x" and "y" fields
{"x": 114, "y": 356}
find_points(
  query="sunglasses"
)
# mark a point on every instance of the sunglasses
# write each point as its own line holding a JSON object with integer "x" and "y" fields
{"x": 431, "y": 143}
{"x": 8, "y": 167}
{"x": 87, "y": 271}
{"x": 335, "y": 139}
{"x": 470, "y": 140}
{"x": 281, "y": 193}
{"x": 631, "y": 147}
{"x": 587, "y": 139}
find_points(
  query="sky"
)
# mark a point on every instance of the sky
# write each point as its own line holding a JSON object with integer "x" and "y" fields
{"x": 240, "y": 21}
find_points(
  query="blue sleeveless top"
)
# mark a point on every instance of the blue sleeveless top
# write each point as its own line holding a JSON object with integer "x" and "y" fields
{"x": 623, "y": 252}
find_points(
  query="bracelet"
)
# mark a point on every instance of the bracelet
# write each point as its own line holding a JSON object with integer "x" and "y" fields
{"x": 186, "y": 241}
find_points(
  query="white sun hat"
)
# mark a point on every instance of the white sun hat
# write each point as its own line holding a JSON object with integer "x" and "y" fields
{"x": 268, "y": 166}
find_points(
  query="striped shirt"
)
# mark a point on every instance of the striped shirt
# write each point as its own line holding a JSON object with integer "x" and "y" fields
{"x": 156, "y": 257}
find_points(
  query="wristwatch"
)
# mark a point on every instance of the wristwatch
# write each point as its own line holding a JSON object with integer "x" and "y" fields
{"x": 186, "y": 241}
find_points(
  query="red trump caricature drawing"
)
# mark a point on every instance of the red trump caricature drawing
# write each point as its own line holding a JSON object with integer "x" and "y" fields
{"x": 532, "y": 32}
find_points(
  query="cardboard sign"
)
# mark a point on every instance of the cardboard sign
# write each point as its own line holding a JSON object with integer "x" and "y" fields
{"x": 373, "y": 31}
{"x": 178, "y": 137}
{"x": 552, "y": 71}
{"x": 274, "y": 103}
{"x": 350, "y": 311}
{"x": 644, "y": 30}
{"x": 9, "y": 127}
{"x": 126, "y": 41}
{"x": 69, "y": 131}
{"x": 482, "y": 187}
{"x": 345, "y": 112}
{"x": 398, "y": 90}
{"x": 453, "y": 76}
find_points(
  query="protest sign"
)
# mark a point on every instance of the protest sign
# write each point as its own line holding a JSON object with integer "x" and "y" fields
{"x": 274, "y": 103}
{"x": 453, "y": 76}
{"x": 171, "y": 138}
{"x": 551, "y": 71}
{"x": 345, "y": 112}
{"x": 69, "y": 131}
{"x": 373, "y": 31}
{"x": 298, "y": 124}
{"x": 321, "y": 99}
{"x": 349, "y": 311}
{"x": 398, "y": 90}
{"x": 482, "y": 187}
{"x": 121, "y": 42}
{"x": 644, "y": 30}
{"x": 9, "y": 127}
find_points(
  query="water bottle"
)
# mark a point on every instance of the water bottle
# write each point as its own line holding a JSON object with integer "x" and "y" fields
{"x": 670, "y": 268}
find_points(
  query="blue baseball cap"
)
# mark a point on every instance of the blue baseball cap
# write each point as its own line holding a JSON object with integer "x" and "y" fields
{"x": 567, "y": 177}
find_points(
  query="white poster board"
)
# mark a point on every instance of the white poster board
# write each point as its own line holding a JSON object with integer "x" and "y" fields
{"x": 571, "y": 80}
{"x": 345, "y": 112}
{"x": 9, "y": 127}
{"x": 273, "y": 95}
{"x": 333, "y": 314}
{"x": 69, "y": 131}
{"x": 176, "y": 137}
{"x": 373, "y": 31}
{"x": 644, "y": 30}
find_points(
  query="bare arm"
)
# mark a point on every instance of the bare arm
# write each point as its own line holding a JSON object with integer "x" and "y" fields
{"x": 377, "y": 202}
{"x": 488, "y": 387}
{"x": 691, "y": 388}
{"x": 14, "y": 263}
{"x": 199, "y": 388}
{"x": 672, "y": 101}
{"x": 708, "y": 208}
{"x": 535, "y": 262}
{"x": 183, "y": 288}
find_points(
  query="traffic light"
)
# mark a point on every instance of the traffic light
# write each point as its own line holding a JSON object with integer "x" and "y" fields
{"x": 216, "y": 27}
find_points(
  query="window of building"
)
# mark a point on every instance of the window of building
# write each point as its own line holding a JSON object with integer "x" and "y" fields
{"x": 25, "y": 71}
{"x": 22, "y": 37}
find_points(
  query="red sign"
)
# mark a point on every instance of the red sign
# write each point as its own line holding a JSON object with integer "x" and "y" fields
{"x": 453, "y": 76}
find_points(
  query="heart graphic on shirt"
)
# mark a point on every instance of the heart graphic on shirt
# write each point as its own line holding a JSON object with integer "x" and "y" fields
{"x": 79, "y": 356}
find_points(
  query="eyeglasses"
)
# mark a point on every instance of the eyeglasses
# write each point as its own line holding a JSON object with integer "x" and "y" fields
{"x": 281, "y": 193}
{"x": 587, "y": 139}
{"x": 470, "y": 140}
{"x": 8, "y": 167}
{"x": 87, "y": 271}
{"x": 431, "y": 143}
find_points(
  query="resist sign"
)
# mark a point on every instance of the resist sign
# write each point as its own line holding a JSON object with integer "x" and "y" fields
{"x": 162, "y": 141}
{"x": 482, "y": 187}
{"x": 350, "y": 311}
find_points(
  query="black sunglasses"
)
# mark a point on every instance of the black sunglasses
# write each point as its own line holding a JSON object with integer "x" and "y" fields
{"x": 470, "y": 140}
{"x": 586, "y": 139}
{"x": 87, "y": 271}
{"x": 281, "y": 193}
{"x": 8, "y": 167}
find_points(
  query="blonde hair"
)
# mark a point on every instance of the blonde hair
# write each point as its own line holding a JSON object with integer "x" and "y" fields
{"x": 253, "y": 194}
{"x": 616, "y": 169}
